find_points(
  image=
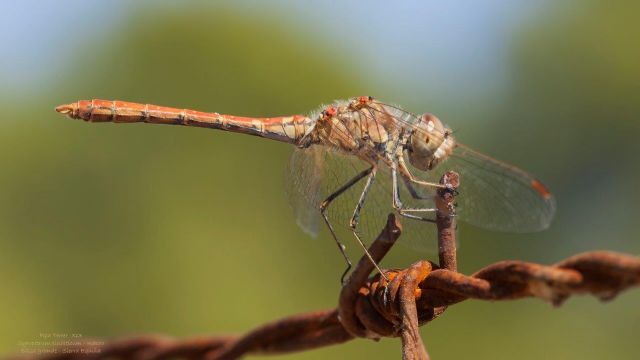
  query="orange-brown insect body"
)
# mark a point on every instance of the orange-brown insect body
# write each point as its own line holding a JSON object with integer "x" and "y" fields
{"x": 285, "y": 128}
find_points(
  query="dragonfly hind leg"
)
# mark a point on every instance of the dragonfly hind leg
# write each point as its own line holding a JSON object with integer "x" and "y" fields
{"x": 323, "y": 210}
{"x": 353, "y": 224}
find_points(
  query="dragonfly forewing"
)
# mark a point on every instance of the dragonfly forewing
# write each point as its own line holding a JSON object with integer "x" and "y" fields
{"x": 498, "y": 196}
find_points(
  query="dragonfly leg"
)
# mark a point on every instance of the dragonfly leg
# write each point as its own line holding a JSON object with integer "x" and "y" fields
{"x": 412, "y": 190}
{"x": 406, "y": 174}
{"x": 356, "y": 218}
{"x": 323, "y": 210}
{"x": 399, "y": 206}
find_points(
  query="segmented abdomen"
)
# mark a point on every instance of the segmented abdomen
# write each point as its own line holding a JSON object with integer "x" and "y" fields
{"x": 284, "y": 128}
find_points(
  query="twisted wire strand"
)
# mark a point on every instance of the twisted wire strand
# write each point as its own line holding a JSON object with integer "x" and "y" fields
{"x": 422, "y": 292}
{"x": 369, "y": 307}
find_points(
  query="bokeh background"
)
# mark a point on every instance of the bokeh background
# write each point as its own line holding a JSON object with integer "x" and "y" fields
{"x": 108, "y": 230}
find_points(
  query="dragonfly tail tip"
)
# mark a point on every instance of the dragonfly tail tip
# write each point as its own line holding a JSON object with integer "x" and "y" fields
{"x": 66, "y": 109}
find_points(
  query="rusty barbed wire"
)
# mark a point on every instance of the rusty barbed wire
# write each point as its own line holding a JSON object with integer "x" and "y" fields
{"x": 369, "y": 307}
{"x": 420, "y": 292}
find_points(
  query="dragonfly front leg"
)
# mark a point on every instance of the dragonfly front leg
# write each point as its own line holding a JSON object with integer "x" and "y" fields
{"x": 399, "y": 206}
{"x": 323, "y": 210}
{"x": 356, "y": 218}
{"x": 408, "y": 176}
{"x": 412, "y": 190}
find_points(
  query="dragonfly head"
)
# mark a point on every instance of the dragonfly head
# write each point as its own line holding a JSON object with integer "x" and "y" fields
{"x": 429, "y": 143}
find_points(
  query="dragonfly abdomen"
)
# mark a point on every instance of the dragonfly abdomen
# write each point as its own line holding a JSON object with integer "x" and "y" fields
{"x": 290, "y": 129}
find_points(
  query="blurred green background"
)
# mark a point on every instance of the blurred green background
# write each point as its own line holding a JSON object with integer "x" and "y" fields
{"x": 108, "y": 230}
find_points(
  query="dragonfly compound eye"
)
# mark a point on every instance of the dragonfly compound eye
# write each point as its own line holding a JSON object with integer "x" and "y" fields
{"x": 428, "y": 143}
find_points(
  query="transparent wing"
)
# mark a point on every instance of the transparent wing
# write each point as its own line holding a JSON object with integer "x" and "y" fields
{"x": 303, "y": 186}
{"x": 495, "y": 195}
{"x": 316, "y": 172}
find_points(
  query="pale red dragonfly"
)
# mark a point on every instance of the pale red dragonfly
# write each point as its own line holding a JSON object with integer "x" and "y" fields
{"x": 357, "y": 159}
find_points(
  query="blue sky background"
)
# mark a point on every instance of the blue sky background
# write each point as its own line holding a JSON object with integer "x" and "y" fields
{"x": 40, "y": 37}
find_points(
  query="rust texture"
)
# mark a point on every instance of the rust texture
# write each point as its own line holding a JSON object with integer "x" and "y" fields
{"x": 415, "y": 296}
{"x": 369, "y": 307}
{"x": 447, "y": 224}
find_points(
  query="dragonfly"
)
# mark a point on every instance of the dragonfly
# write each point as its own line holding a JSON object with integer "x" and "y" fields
{"x": 356, "y": 159}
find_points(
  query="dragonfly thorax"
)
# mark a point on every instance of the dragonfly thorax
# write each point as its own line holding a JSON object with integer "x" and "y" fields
{"x": 430, "y": 143}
